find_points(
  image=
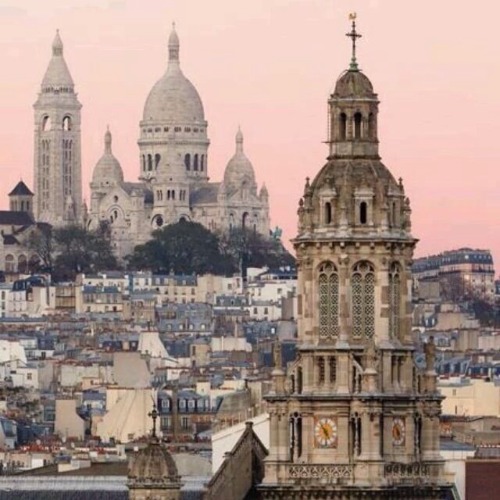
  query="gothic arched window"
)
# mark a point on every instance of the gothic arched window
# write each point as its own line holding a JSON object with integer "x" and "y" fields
{"x": 67, "y": 124}
{"x": 67, "y": 167}
{"x": 394, "y": 214}
{"x": 328, "y": 281}
{"x": 150, "y": 163}
{"x": 363, "y": 300}
{"x": 195, "y": 163}
{"x": 46, "y": 125}
{"x": 328, "y": 213}
{"x": 394, "y": 300}
{"x": 363, "y": 212}
{"x": 187, "y": 161}
{"x": 202, "y": 163}
{"x": 157, "y": 160}
{"x": 358, "y": 119}
{"x": 343, "y": 127}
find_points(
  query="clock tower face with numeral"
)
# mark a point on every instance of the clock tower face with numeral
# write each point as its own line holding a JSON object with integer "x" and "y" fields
{"x": 398, "y": 431}
{"x": 325, "y": 433}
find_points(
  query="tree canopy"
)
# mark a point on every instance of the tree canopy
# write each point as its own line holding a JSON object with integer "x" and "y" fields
{"x": 184, "y": 248}
{"x": 69, "y": 250}
{"x": 190, "y": 248}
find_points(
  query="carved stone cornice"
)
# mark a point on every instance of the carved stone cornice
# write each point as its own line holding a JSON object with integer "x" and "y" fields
{"x": 325, "y": 473}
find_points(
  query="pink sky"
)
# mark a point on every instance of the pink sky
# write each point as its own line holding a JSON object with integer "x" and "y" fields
{"x": 269, "y": 65}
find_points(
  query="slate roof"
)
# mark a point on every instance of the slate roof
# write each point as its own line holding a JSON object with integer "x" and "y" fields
{"x": 128, "y": 187}
{"x": 9, "y": 239}
{"x": 21, "y": 189}
{"x": 205, "y": 194}
{"x": 13, "y": 218}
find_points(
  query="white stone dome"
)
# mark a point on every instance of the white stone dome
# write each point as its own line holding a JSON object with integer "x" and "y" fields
{"x": 108, "y": 170}
{"x": 174, "y": 99}
{"x": 239, "y": 170}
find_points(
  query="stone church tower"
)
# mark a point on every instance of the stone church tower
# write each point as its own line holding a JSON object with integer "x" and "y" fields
{"x": 152, "y": 473}
{"x": 354, "y": 416}
{"x": 57, "y": 157}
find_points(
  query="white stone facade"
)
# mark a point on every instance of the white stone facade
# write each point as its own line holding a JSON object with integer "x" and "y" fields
{"x": 173, "y": 179}
{"x": 57, "y": 155}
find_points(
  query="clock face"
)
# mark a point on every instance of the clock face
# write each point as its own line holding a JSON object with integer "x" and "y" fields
{"x": 398, "y": 431}
{"x": 325, "y": 433}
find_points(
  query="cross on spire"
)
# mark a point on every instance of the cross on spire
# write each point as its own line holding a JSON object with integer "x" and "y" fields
{"x": 154, "y": 415}
{"x": 353, "y": 35}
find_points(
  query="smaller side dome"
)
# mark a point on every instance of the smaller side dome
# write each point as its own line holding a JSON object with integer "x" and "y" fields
{"x": 108, "y": 171}
{"x": 353, "y": 83}
{"x": 153, "y": 467}
{"x": 239, "y": 170}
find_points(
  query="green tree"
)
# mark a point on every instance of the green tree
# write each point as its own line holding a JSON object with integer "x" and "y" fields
{"x": 41, "y": 241}
{"x": 79, "y": 250}
{"x": 73, "y": 249}
{"x": 246, "y": 248}
{"x": 184, "y": 248}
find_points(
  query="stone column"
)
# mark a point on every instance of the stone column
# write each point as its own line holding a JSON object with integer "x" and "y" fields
{"x": 327, "y": 384}
{"x": 382, "y": 302}
{"x": 283, "y": 435}
{"x": 344, "y": 322}
{"x": 430, "y": 434}
{"x": 274, "y": 434}
{"x": 343, "y": 370}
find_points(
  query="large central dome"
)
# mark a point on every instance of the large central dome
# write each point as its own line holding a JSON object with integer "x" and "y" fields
{"x": 174, "y": 99}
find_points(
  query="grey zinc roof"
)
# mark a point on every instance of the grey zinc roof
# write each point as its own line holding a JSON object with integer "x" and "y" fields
{"x": 128, "y": 187}
{"x": 13, "y": 218}
{"x": 21, "y": 189}
{"x": 205, "y": 194}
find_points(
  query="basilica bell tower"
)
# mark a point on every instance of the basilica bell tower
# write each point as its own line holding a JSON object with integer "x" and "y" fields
{"x": 355, "y": 416}
{"x": 57, "y": 151}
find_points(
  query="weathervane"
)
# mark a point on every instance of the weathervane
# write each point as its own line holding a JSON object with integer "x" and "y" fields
{"x": 353, "y": 35}
{"x": 154, "y": 415}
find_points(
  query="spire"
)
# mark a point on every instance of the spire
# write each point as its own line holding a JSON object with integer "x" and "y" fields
{"x": 239, "y": 141}
{"x": 353, "y": 35}
{"x": 57, "y": 45}
{"x": 107, "y": 141}
{"x": 57, "y": 76}
{"x": 154, "y": 415}
{"x": 173, "y": 45}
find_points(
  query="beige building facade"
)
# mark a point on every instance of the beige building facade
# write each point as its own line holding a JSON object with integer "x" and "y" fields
{"x": 470, "y": 397}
